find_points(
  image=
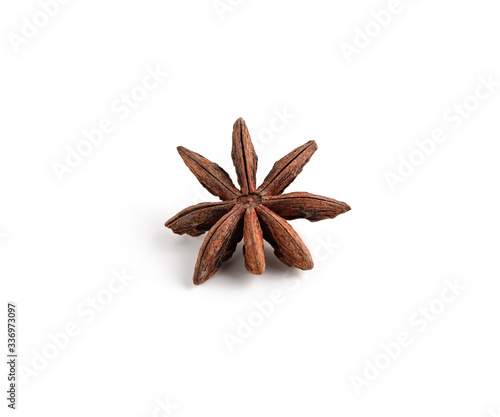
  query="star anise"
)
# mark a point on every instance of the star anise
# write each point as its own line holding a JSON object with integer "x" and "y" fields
{"x": 251, "y": 213}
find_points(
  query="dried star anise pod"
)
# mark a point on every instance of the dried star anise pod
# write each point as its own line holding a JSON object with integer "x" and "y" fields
{"x": 253, "y": 213}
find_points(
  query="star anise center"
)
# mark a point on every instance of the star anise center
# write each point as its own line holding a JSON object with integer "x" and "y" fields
{"x": 249, "y": 200}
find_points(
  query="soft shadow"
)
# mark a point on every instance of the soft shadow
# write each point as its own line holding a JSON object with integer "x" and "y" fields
{"x": 233, "y": 272}
{"x": 176, "y": 254}
{"x": 179, "y": 255}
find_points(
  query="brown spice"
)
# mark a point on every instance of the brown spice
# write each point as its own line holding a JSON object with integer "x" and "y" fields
{"x": 252, "y": 214}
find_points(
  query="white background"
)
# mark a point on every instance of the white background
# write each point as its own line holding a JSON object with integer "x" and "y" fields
{"x": 162, "y": 337}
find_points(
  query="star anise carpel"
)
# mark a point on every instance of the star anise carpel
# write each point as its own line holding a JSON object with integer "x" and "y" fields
{"x": 250, "y": 213}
